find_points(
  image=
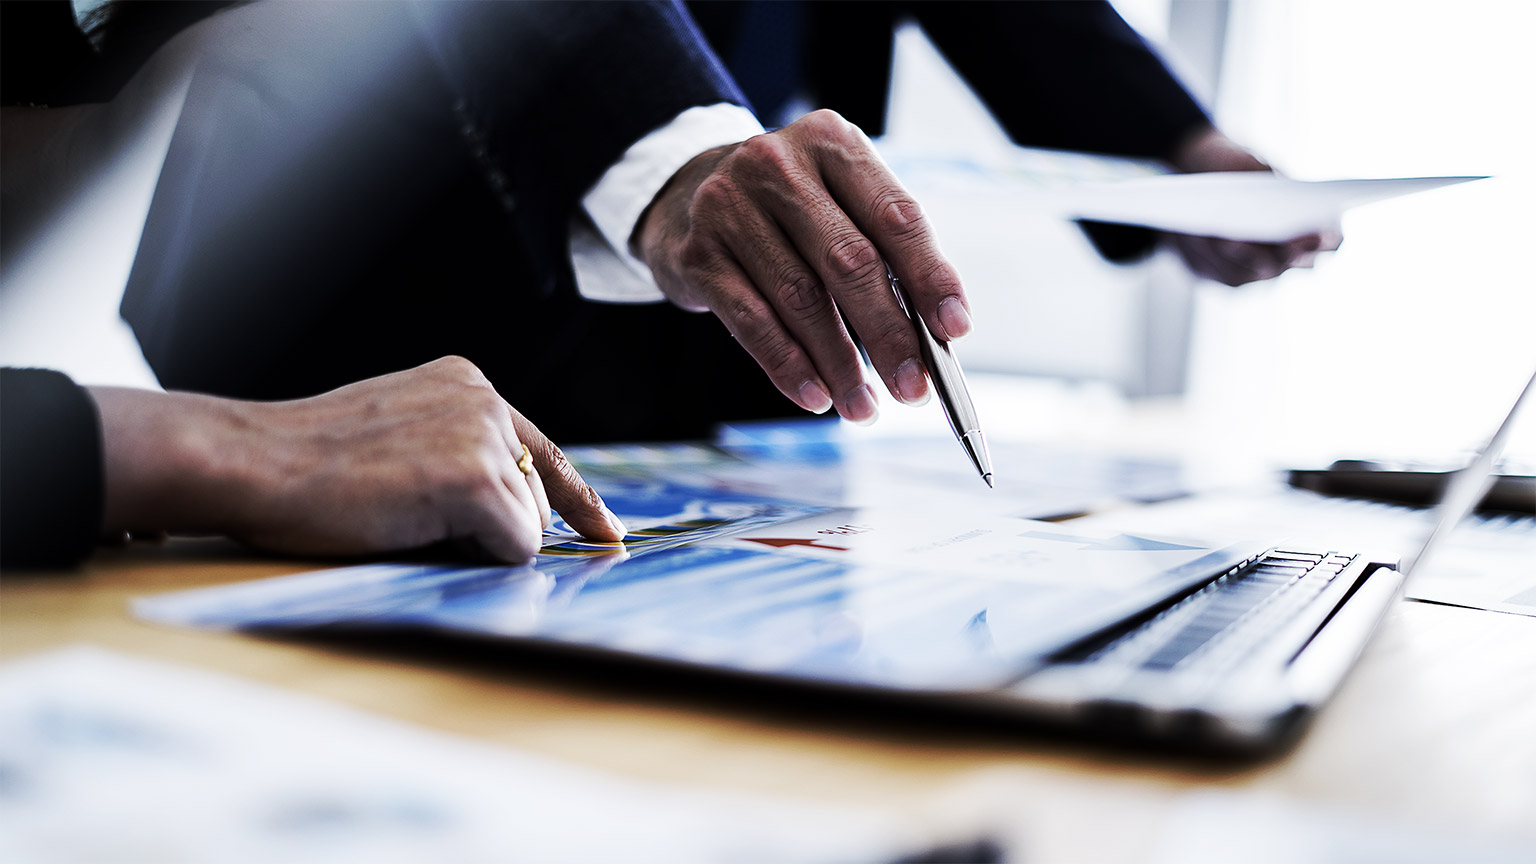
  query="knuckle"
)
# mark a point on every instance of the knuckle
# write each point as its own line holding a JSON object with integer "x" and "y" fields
{"x": 773, "y": 349}
{"x": 768, "y": 154}
{"x": 834, "y": 129}
{"x": 487, "y": 403}
{"x": 778, "y": 355}
{"x": 717, "y": 193}
{"x": 563, "y": 482}
{"x": 769, "y": 344}
{"x": 938, "y": 275}
{"x": 802, "y": 293}
{"x": 852, "y": 258}
{"x": 527, "y": 433}
{"x": 586, "y": 497}
{"x": 898, "y": 215}
{"x": 895, "y": 331}
{"x": 558, "y": 467}
{"x": 698, "y": 257}
{"x": 827, "y": 120}
{"x": 742, "y": 313}
{"x": 461, "y": 369}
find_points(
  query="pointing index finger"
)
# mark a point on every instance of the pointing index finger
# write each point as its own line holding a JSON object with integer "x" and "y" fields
{"x": 576, "y": 501}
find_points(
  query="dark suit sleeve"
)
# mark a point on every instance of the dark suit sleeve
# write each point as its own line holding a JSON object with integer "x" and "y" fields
{"x": 1069, "y": 76}
{"x": 51, "y": 483}
{"x": 560, "y": 90}
{"x": 1065, "y": 75}
{"x": 352, "y": 186}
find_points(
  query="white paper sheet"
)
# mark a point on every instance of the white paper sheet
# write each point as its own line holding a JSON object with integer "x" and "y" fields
{"x": 1241, "y": 205}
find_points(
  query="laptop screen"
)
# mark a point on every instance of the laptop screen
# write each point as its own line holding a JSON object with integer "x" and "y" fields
{"x": 1468, "y": 486}
{"x": 918, "y": 596}
{"x": 923, "y": 594}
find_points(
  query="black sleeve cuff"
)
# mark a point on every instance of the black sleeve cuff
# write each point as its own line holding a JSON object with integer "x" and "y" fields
{"x": 51, "y": 472}
{"x": 1119, "y": 244}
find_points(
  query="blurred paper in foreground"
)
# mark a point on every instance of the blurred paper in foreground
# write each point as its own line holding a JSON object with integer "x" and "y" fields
{"x": 107, "y": 758}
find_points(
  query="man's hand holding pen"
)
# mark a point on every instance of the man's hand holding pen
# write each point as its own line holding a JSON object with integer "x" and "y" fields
{"x": 785, "y": 235}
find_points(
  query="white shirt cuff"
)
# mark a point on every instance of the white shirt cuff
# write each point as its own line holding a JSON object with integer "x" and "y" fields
{"x": 606, "y": 270}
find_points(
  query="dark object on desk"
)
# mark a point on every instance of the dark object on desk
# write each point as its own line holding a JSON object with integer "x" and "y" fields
{"x": 1416, "y": 486}
{"x": 976, "y": 852}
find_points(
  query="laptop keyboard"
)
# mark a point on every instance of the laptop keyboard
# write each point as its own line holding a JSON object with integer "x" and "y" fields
{"x": 1218, "y": 625}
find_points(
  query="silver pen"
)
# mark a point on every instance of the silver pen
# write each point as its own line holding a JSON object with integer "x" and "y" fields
{"x": 944, "y": 371}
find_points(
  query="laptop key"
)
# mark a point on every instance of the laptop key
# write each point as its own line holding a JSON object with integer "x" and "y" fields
{"x": 1237, "y": 609}
{"x": 1291, "y": 556}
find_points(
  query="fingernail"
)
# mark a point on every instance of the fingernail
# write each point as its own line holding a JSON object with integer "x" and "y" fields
{"x": 815, "y": 398}
{"x": 956, "y": 321}
{"x": 618, "y": 524}
{"x": 860, "y": 405}
{"x": 911, "y": 385}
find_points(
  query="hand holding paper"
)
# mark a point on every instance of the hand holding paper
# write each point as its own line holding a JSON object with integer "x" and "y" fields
{"x": 1246, "y": 205}
{"x": 1230, "y": 216}
{"x": 1235, "y": 261}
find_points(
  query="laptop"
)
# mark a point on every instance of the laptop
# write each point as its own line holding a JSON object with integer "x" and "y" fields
{"x": 1152, "y": 639}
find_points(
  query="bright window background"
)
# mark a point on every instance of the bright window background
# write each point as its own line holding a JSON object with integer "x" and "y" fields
{"x": 1413, "y": 339}
{"x": 1416, "y": 336}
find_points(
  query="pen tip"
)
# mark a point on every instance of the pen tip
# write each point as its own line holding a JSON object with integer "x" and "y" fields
{"x": 988, "y": 478}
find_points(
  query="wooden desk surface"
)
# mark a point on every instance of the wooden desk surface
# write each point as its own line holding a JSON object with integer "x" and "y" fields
{"x": 1436, "y": 727}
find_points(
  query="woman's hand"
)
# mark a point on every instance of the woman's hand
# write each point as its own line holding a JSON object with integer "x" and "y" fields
{"x": 391, "y": 463}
